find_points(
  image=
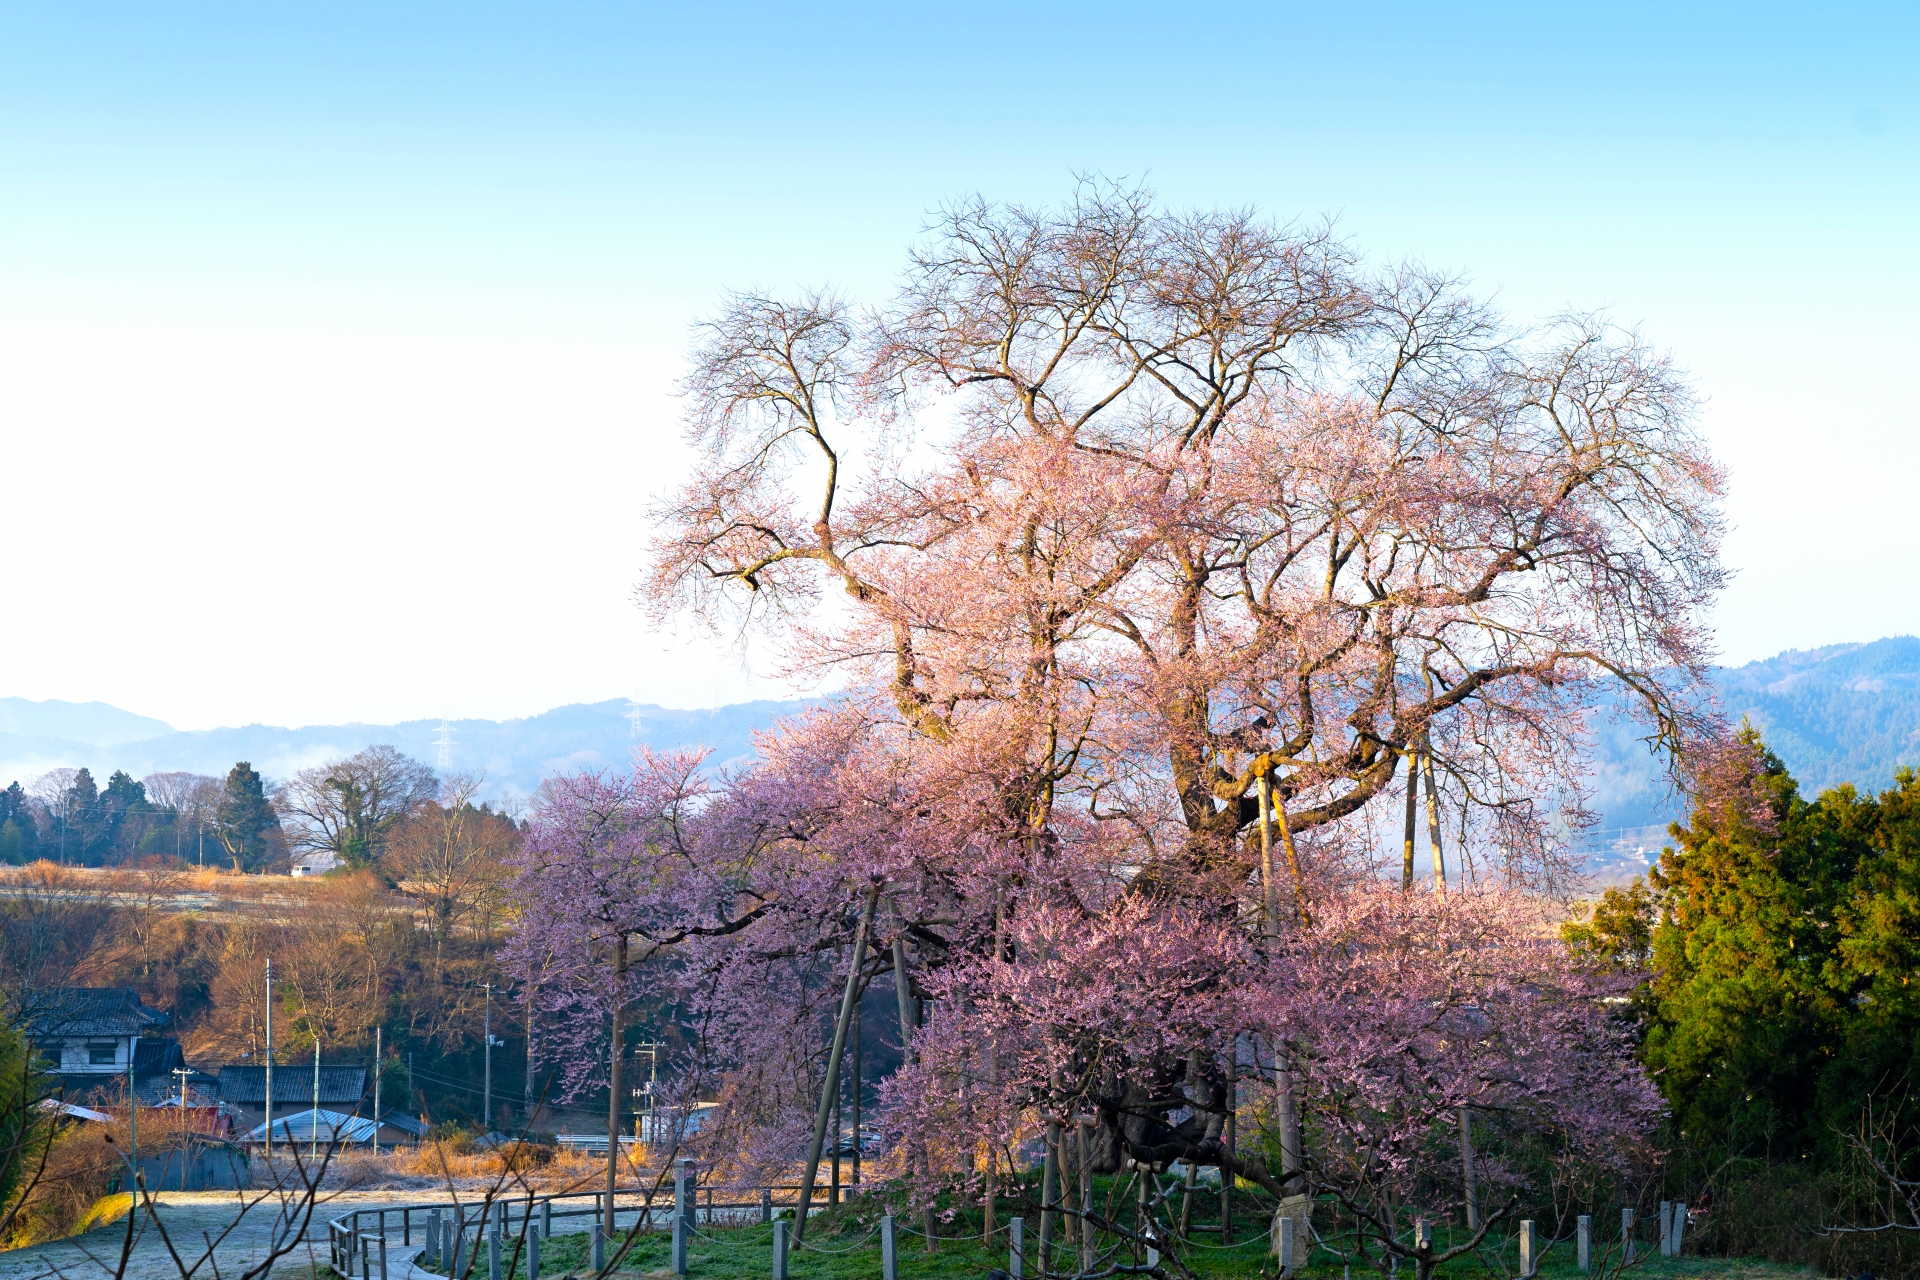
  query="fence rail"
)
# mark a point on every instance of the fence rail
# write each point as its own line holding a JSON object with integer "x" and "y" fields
{"x": 358, "y": 1241}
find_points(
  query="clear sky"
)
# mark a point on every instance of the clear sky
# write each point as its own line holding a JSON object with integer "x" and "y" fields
{"x": 336, "y": 341}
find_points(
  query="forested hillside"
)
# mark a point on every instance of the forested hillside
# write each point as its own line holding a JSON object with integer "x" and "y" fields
{"x": 1843, "y": 713}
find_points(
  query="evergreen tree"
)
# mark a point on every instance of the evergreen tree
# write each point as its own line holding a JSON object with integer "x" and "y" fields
{"x": 1784, "y": 956}
{"x": 19, "y": 834}
{"x": 86, "y": 824}
{"x": 248, "y": 828}
{"x": 1875, "y": 971}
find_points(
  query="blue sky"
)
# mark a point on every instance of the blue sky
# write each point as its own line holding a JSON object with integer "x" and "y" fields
{"x": 343, "y": 335}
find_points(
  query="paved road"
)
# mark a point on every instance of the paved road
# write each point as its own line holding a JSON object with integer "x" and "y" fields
{"x": 189, "y": 1217}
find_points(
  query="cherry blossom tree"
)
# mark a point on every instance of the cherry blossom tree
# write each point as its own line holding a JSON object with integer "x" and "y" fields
{"x": 1166, "y": 546}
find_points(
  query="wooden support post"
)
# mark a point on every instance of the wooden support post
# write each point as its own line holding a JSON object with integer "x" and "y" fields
{"x": 1466, "y": 1171}
{"x": 1186, "y": 1200}
{"x": 839, "y": 1130}
{"x": 853, "y": 1185}
{"x": 1087, "y": 1259}
{"x": 614, "y": 1085}
{"x": 829, "y": 1089}
{"x": 1049, "y": 1192}
{"x": 383, "y": 1256}
{"x": 1226, "y": 1176}
{"x": 986, "y": 1206}
{"x": 1140, "y": 1176}
{"x": 1413, "y": 809}
{"x": 1433, "y": 827}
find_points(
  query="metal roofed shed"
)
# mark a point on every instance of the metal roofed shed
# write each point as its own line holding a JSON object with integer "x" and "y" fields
{"x": 244, "y": 1088}
{"x": 334, "y": 1127}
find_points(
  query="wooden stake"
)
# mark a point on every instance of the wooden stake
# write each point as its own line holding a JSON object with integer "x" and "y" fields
{"x": 829, "y": 1089}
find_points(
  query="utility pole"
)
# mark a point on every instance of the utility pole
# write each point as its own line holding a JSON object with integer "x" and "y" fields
{"x": 529, "y": 1086}
{"x": 486, "y": 1028}
{"x": 269, "y": 1065}
{"x": 313, "y": 1138}
{"x": 377, "y": 1060}
{"x": 183, "y": 1073}
{"x": 645, "y": 1131}
{"x": 133, "y": 1141}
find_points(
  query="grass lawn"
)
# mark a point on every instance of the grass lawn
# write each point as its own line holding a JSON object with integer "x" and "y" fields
{"x": 844, "y": 1245}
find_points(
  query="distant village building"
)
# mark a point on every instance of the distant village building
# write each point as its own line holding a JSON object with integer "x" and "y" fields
{"x": 314, "y": 864}
{"x": 245, "y": 1090}
{"x": 91, "y": 1036}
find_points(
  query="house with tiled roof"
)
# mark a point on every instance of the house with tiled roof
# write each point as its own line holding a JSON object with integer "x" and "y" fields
{"x": 92, "y": 1036}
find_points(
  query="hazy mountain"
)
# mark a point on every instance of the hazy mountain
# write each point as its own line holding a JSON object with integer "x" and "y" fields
{"x": 76, "y": 721}
{"x": 514, "y": 754}
{"x": 1847, "y": 712}
{"x": 1843, "y": 713}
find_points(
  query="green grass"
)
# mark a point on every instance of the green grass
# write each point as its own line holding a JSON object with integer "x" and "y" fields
{"x": 745, "y": 1253}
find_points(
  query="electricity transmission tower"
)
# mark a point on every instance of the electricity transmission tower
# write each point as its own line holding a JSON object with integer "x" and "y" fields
{"x": 444, "y": 741}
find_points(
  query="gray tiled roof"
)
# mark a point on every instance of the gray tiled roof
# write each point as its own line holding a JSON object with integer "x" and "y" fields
{"x": 95, "y": 1011}
{"x": 247, "y": 1086}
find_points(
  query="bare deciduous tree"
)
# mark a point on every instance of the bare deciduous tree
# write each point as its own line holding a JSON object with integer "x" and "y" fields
{"x": 351, "y": 806}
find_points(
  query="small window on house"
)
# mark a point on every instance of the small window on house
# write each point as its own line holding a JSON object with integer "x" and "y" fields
{"x": 102, "y": 1053}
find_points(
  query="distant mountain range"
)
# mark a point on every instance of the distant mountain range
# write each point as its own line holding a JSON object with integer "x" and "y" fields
{"x": 514, "y": 754}
{"x": 1845, "y": 713}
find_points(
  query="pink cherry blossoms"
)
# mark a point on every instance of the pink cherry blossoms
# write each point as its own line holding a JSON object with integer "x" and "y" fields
{"x": 1131, "y": 518}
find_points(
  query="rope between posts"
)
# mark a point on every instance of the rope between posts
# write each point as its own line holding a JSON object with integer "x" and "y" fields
{"x": 871, "y": 1232}
{"x": 730, "y": 1243}
{"x": 1217, "y": 1247}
